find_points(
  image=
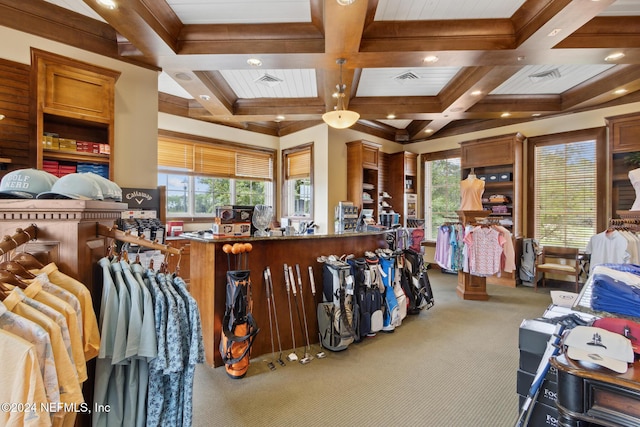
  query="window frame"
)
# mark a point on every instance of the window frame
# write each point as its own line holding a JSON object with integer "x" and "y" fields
{"x": 429, "y": 157}
{"x": 176, "y": 137}
{"x": 284, "y": 200}
{"x": 599, "y": 135}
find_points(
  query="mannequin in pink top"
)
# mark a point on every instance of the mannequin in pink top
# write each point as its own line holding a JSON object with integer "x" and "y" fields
{"x": 471, "y": 190}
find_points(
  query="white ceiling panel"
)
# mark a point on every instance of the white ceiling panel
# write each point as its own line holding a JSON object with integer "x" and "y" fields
{"x": 416, "y": 82}
{"x": 166, "y": 84}
{"x": 530, "y": 80}
{"x": 77, "y": 6}
{"x": 241, "y": 11}
{"x": 413, "y": 10}
{"x": 294, "y": 83}
{"x": 623, "y": 8}
{"x": 398, "y": 124}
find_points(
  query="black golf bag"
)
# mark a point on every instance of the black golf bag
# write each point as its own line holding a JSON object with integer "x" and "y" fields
{"x": 336, "y": 320}
{"x": 415, "y": 282}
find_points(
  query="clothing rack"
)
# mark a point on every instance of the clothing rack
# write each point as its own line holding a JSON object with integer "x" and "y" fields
{"x": 125, "y": 236}
{"x": 631, "y": 224}
{"x": 20, "y": 237}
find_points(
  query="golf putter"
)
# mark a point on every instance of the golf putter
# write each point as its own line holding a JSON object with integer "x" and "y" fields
{"x": 292, "y": 357}
{"x": 307, "y": 350}
{"x": 306, "y": 358}
{"x": 266, "y": 281}
{"x": 321, "y": 354}
{"x": 275, "y": 315}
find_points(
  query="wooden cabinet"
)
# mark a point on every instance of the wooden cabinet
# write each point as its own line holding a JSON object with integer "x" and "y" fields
{"x": 498, "y": 160}
{"x": 624, "y": 138}
{"x": 402, "y": 179}
{"x": 362, "y": 175}
{"x": 74, "y": 114}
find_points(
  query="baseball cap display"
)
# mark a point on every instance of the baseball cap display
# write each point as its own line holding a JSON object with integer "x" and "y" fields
{"x": 25, "y": 183}
{"x": 77, "y": 186}
{"x": 624, "y": 327}
{"x": 110, "y": 190}
{"x": 599, "y": 346}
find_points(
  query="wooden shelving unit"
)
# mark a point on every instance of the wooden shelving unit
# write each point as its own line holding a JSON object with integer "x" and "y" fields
{"x": 500, "y": 157}
{"x": 624, "y": 138}
{"x": 403, "y": 180}
{"x": 362, "y": 175}
{"x": 74, "y": 100}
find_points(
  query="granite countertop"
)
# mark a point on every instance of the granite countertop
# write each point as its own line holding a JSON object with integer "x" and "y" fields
{"x": 209, "y": 238}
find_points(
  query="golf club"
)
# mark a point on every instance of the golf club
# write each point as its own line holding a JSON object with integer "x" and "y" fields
{"x": 292, "y": 356}
{"x": 275, "y": 315}
{"x": 321, "y": 354}
{"x": 266, "y": 282}
{"x": 247, "y": 247}
{"x": 227, "y": 250}
{"x": 306, "y": 359}
{"x": 304, "y": 313}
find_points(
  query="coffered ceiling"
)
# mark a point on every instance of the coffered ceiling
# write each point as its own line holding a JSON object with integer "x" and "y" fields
{"x": 415, "y": 69}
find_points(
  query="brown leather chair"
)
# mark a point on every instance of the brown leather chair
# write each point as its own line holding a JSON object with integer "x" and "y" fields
{"x": 571, "y": 268}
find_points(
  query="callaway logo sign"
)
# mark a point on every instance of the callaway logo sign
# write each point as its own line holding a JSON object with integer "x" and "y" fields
{"x": 141, "y": 198}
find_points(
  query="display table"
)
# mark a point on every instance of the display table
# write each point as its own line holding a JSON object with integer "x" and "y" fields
{"x": 597, "y": 396}
{"x": 209, "y": 265}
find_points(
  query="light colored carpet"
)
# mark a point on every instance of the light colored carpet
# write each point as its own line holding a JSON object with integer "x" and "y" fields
{"x": 453, "y": 365}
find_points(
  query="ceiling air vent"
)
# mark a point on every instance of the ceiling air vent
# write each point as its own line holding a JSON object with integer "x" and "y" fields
{"x": 545, "y": 75}
{"x": 406, "y": 76}
{"x": 268, "y": 80}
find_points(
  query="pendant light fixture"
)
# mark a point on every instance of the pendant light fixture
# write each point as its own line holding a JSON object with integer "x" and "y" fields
{"x": 340, "y": 118}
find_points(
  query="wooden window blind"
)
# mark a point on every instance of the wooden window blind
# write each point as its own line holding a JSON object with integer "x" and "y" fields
{"x": 299, "y": 164}
{"x": 565, "y": 196}
{"x": 214, "y": 160}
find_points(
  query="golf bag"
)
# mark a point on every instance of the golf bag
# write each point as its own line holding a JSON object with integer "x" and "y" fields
{"x": 336, "y": 320}
{"x": 528, "y": 261}
{"x": 368, "y": 299}
{"x": 239, "y": 328}
{"x": 416, "y": 282}
{"x": 375, "y": 291}
{"x": 391, "y": 313}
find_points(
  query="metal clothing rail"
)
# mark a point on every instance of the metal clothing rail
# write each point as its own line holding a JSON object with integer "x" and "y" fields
{"x": 125, "y": 236}
{"x": 21, "y": 236}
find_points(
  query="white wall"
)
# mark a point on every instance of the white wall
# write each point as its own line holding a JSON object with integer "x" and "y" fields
{"x": 136, "y": 105}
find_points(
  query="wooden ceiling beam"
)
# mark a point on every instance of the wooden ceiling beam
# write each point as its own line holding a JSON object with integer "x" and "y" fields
{"x": 605, "y": 32}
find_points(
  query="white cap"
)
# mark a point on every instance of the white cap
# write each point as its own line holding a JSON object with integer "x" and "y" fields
{"x": 599, "y": 346}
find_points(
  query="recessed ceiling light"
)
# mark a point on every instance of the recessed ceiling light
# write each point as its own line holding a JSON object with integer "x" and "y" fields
{"x": 554, "y": 32}
{"x": 476, "y": 93}
{"x": 430, "y": 59}
{"x": 620, "y": 92}
{"x": 280, "y": 118}
{"x": 345, "y": 2}
{"x": 205, "y": 97}
{"x": 1, "y": 116}
{"x": 109, "y": 4}
{"x": 536, "y": 115}
{"x": 182, "y": 76}
{"x": 614, "y": 56}
{"x": 391, "y": 116}
{"x": 428, "y": 130}
{"x": 254, "y": 62}
{"x": 505, "y": 115}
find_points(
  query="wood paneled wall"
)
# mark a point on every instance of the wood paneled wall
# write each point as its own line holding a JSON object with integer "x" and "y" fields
{"x": 14, "y": 105}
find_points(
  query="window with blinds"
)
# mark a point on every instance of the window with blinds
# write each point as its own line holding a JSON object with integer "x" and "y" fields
{"x": 442, "y": 190}
{"x": 565, "y": 196}
{"x": 297, "y": 194}
{"x": 213, "y": 160}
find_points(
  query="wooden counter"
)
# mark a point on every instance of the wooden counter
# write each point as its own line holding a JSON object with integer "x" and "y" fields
{"x": 208, "y": 283}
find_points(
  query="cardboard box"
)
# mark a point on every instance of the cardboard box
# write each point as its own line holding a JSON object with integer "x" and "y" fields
{"x": 529, "y": 362}
{"x": 548, "y": 389}
{"x": 67, "y": 144}
{"x": 242, "y": 229}
{"x": 533, "y": 335}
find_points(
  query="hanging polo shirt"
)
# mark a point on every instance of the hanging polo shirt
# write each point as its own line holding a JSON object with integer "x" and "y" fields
{"x": 105, "y": 390}
{"x": 22, "y": 383}
{"x": 53, "y": 315}
{"x": 36, "y": 335}
{"x": 90, "y": 333}
{"x": 155, "y": 401}
{"x": 35, "y": 290}
{"x": 67, "y": 378}
{"x": 63, "y": 294}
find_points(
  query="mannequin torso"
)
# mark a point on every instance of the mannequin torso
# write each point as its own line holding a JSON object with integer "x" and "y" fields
{"x": 471, "y": 190}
